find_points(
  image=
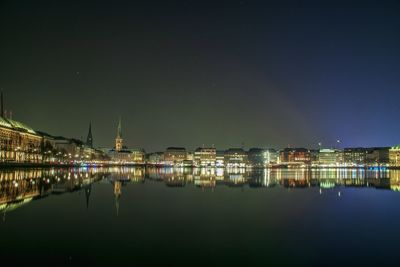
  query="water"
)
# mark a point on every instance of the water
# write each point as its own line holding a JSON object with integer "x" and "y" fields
{"x": 185, "y": 217}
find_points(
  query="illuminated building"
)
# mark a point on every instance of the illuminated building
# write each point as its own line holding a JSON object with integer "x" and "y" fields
{"x": 188, "y": 162}
{"x": 175, "y": 155}
{"x": 256, "y": 157}
{"x": 120, "y": 157}
{"x": 270, "y": 156}
{"x": 68, "y": 150}
{"x": 295, "y": 155}
{"x": 259, "y": 157}
{"x": 219, "y": 159}
{"x": 314, "y": 156}
{"x": 339, "y": 156}
{"x": 121, "y": 154}
{"x": 394, "y": 156}
{"x": 327, "y": 156}
{"x": 356, "y": 155}
{"x": 138, "y": 156}
{"x": 235, "y": 157}
{"x": 189, "y": 156}
{"x": 48, "y": 149}
{"x": 18, "y": 142}
{"x": 204, "y": 156}
{"x": 156, "y": 158}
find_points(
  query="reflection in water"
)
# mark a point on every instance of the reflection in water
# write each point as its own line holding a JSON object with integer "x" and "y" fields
{"x": 19, "y": 187}
{"x": 239, "y": 177}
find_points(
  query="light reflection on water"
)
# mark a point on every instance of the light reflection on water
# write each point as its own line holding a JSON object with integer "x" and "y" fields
{"x": 234, "y": 216}
{"x": 17, "y": 187}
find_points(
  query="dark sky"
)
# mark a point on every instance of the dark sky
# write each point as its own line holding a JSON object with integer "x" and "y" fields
{"x": 187, "y": 73}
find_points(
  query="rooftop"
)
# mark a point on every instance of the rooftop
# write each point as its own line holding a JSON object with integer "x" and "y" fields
{"x": 16, "y": 125}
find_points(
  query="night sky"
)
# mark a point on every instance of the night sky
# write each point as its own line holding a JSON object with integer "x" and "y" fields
{"x": 187, "y": 73}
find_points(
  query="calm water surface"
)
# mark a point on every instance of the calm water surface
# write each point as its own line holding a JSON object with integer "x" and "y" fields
{"x": 185, "y": 217}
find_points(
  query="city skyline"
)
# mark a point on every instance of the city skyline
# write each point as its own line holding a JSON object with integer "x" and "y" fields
{"x": 180, "y": 73}
{"x": 199, "y": 132}
{"x": 334, "y": 143}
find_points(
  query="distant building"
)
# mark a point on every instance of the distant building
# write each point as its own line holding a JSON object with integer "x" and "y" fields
{"x": 259, "y": 157}
{"x": 138, "y": 156}
{"x": 394, "y": 156}
{"x": 73, "y": 150}
{"x": 48, "y": 147}
{"x": 355, "y": 155}
{"x": 295, "y": 155}
{"x": 339, "y": 156}
{"x": 271, "y": 156}
{"x": 62, "y": 149}
{"x": 235, "y": 157}
{"x": 219, "y": 159}
{"x": 175, "y": 155}
{"x": 256, "y": 157}
{"x": 205, "y": 156}
{"x": 377, "y": 155}
{"x": 70, "y": 148}
{"x": 328, "y": 156}
{"x": 156, "y": 158}
{"x": 189, "y": 157}
{"x": 314, "y": 156}
{"x": 121, "y": 154}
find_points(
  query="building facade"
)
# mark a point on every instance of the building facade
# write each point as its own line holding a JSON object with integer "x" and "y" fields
{"x": 204, "y": 156}
{"x": 235, "y": 157}
{"x": 156, "y": 158}
{"x": 256, "y": 157}
{"x": 355, "y": 155}
{"x": 220, "y": 159}
{"x": 259, "y": 157}
{"x": 327, "y": 156}
{"x": 394, "y": 156}
{"x": 138, "y": 156}
{"x": 295, "y": 155}
{"x": 19, "y": 142}
{"x": 377, "y": 155}
{"x": 175, "y": 155}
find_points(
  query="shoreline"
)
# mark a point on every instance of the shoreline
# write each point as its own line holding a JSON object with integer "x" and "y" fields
{"x": 13, "y": 165}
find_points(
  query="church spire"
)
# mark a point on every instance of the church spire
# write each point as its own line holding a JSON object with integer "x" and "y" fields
{"x": 89, "y": 139}
{"x": 119, "y": 133}
{"x": 118, "y": 140}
